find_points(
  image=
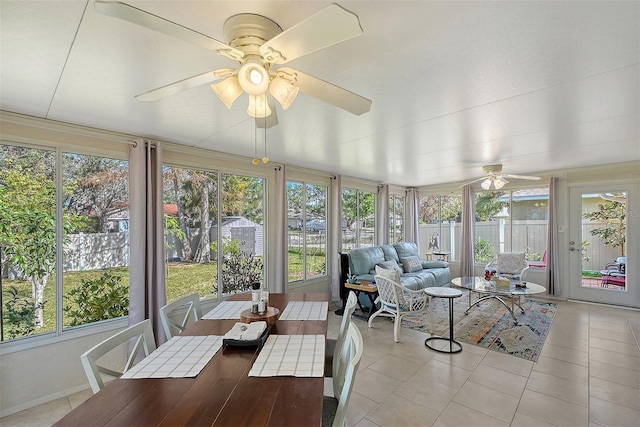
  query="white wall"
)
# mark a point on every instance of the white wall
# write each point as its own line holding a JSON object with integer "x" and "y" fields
{"x": 35, "y": 375}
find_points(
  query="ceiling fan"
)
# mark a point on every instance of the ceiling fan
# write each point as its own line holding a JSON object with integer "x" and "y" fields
{"x": 496, "y": 179}
{"x": 258, "y": 44}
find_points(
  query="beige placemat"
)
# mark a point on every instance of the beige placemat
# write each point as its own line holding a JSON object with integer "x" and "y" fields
{"x": 228, "y": 310}
{"x": 290, "y": 355}
{"x": 180, "y": 357}
{"x": 305, "y": 310}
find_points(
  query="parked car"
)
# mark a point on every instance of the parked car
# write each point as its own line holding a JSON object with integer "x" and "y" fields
{"x": 316, "y": 225}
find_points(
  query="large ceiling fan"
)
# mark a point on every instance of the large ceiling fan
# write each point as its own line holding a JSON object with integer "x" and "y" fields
{"x": 496, "y": 179}
{"x": 258, "y": 44}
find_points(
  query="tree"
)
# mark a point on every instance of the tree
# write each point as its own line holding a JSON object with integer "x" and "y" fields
{"x": 440, "y": 208}
{"x": 488, "y": 204}
{"x": 95, "y": 187}
{"x": 357, "y": 205}
{"x": 613, "y": 214}
{"x": 28, "y": 228}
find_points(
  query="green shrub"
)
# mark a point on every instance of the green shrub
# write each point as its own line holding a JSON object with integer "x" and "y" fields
{"x": 483, "y": 251}
{"x": 97, "y": 299}
{"x": 19, "y": 314}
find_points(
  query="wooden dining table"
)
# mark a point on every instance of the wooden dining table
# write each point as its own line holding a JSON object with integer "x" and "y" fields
{"x": 222, "y": 394}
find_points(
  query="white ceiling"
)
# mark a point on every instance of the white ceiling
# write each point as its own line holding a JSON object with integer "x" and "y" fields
{"x": 536, "y": 86}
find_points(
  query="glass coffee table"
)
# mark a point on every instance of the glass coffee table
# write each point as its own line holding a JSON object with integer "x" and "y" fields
{"x": 507, "y": 296}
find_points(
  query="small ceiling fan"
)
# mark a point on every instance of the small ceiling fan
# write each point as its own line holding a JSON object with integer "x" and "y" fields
{"x": 258, "y": 44}
{"x": 496, "y": 179}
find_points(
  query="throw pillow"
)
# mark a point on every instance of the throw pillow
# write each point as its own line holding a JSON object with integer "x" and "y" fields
{"x": 390, "y": 265}
{"x": 411, "y": 264}
{"x": 392, "y": 275}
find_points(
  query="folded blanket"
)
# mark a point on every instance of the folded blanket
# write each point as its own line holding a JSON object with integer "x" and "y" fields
{"x": 246, "y": 331}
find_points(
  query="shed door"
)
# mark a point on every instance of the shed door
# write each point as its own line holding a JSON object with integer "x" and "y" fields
{"x": 247, "y": 237}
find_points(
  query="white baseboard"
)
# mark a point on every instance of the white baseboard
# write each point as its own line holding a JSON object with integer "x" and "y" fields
{"x": 42, "y": 400}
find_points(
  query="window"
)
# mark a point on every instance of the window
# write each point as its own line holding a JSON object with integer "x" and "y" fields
{"x": 209, "y": 225}
{"x": 307, "y": 224}
{"x": 396, "y": 218}
{"x": 511, "y": 221}
{"x": 358, "y": 211}
{"x": 440, "y": 224}
{"x": 94, "y": 282}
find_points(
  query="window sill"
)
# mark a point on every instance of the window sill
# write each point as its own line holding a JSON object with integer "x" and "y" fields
{"x": 27, "y": 343}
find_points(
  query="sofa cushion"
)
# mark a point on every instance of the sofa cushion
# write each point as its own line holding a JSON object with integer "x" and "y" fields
{"x": 391, "y": 265}
{"x": 411, "y": 264}
{"x": 363, "y": 260}
{"x": 434, "y": 264}
{"x": 405, "y": 249}
{"x": 390, "y": 253}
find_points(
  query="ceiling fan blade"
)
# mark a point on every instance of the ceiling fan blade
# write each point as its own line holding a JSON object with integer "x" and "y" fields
{"x": 531, "y": 178}
{"x": 179, "y": 86}
{"x": 329, "y": 26}
{"x": 271, "y": 120}
{"x": 471, "y": 182}
{"x": 153, "y": 22}
{"x": 327, "y": 92}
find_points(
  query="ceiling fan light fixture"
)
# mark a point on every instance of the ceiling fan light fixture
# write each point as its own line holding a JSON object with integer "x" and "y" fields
{"x": 228, "y": 90}
{"x": 498, "y": 183}
{"x": 486, "y": 184}
{"x": 253, "y": 78}
{"x": 258, "y": 106}
{"x": 283, "y": 91}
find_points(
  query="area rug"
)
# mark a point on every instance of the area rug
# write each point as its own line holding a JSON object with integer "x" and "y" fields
{"x": 489, "y": 325}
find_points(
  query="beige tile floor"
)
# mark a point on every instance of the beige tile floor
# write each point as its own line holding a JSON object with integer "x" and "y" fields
{"x": 588, "y": 375}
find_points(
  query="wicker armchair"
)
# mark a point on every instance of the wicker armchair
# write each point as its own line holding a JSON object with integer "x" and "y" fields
{"x": 509, "y": 264}
{"x": 396, "y": 300}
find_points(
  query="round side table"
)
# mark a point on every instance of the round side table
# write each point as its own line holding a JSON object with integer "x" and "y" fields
{"x": 437, "y": 292}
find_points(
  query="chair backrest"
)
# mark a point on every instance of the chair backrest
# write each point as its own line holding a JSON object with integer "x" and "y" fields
{"x": 193, "y": 313}
{"x": 351, "y": 354}
{"x": 511, "y": 262}
{"x": 144, "y": 340}
{"x": 349, "y": 308}
{"x": 389, "y": 288}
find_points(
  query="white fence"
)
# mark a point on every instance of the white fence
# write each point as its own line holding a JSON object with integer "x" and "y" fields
{"x": 528, "y": 235}
{"x": 105, "y": 250}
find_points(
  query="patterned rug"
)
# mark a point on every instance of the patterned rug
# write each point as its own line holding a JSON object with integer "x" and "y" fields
{"x": 490, "y": 325}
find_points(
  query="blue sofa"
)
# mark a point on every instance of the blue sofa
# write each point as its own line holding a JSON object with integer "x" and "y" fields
{"x": 363, "y": 261}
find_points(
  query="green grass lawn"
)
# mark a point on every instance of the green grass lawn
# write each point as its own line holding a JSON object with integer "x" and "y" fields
{"x": 181, "y": 279}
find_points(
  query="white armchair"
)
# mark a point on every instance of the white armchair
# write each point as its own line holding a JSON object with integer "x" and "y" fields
{"x": 396, "y": 300}
{"x": 509, "y": 264}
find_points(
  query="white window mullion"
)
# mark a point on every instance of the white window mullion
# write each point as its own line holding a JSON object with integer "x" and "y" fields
{"x": 59, "y": 242}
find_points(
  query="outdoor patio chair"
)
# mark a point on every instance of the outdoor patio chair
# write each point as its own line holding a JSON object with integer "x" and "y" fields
{"x": 144, "y": 340}
{"x": 396, "y": 300}
{"x": 193, "y": 313}
{"x": 509, "y": 264}
{"x": 615, "y": 273}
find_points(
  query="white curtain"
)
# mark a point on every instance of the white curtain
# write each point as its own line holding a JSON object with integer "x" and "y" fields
{"x": 382, "y": 215}
{"x": 467, "y": 235}
{"x": 146, "y": 236}
{"x": 335, "y": 240}
{"x": 278, "y": 276}
{"x": 412, "y": 231}
{"x": 553, "y": 255}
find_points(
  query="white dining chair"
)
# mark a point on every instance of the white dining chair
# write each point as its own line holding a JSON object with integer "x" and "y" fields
{"x": 193, "y": 313}
{"x": 144, "y": 340}
{"x": 332, "y": 346}
{"x": 334, "y": 409}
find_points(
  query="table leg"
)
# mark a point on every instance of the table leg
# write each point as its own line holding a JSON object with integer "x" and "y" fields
{"x": 450, "y": 340}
